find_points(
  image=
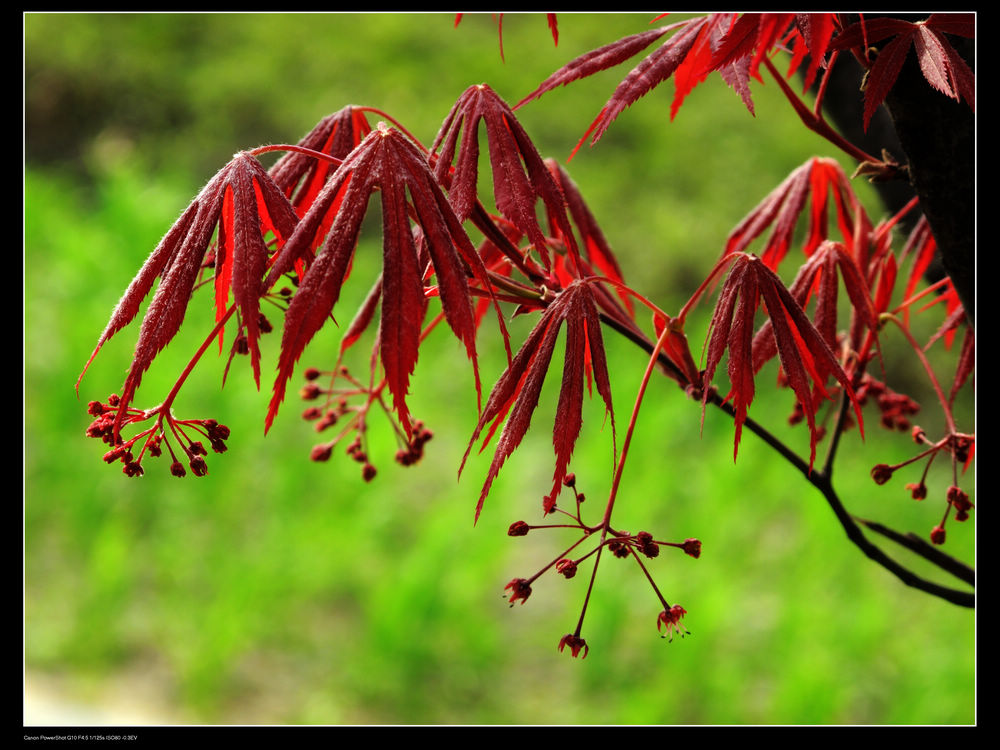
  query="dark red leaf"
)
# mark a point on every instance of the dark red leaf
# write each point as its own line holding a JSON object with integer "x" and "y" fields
{"x": 600, "y": 59}
{"x": 782, "y": 208}
{"x": 518, "y": 389}
{"x": 805, "y": 357}
{"x": 520, "y": 178}
{"x": 385, "y": 161}
{"x": 959, "y": 24}
{"x": 246, "y": 194}
{"x": 816, "y": 30}
{"x": 651, "y": 72}
{"x": 818, "y": 277}
{"x": 299, "y": 176}
{"x": 940, "y": 64}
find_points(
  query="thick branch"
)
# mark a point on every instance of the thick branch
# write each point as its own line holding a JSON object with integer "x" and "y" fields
{"x": 937, "y": 135}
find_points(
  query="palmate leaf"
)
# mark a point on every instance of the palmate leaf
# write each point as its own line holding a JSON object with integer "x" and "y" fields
{"x": 244, "y": 203}
{"x": 817, "y": 278}
{"x": 520, "y": 177}
{"x": 518, "y": 389}
{"x": 301, "y": 176}
{"x": 940, "y": 63}
{"x": 805, "y": 357}
{"x": 781, "y": 210}
{"x": 721, "y": 42}
{"x": 385, "y": 161}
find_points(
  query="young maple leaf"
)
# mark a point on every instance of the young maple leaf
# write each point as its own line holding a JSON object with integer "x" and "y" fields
{"x": 804, "y": 355}
{"x": 648, "y": 74}
{"x": 940, "y": 63}
{"x": 818, "y": 277}
{"x": 783, "y": 206}
{"x": 600, "y": 59}
{"x": 518, "y": 389}
{"x": 301, "y": 176}
{"x": 520, "y": 177}
{"x": 385, "y": 161}
{"x": 245, "y": 204}
{"x": 596, "y": 250}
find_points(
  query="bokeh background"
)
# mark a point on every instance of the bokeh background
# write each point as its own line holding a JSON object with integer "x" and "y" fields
{"x": 277, "y": 590}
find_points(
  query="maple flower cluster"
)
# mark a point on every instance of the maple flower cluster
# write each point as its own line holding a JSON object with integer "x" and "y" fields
{"x": 960, "y": 447}
{"x": 621, "y": 544}
{"x": 109, "y": 420}
{"x": 353, "y": 419}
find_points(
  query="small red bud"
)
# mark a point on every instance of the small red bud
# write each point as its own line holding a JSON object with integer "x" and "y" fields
{"x": 566, "y": 568}
{"x": 320, "y": 452}
{"x": 518, "y": 528}
{"x": 881, "y": 473}
{"x": 937, "y": 535}
{"x": 198, "y": 466}
{"x": 692, "y": 547}
{"x": 519, "y": 589}
{"x": 576, "y": 645}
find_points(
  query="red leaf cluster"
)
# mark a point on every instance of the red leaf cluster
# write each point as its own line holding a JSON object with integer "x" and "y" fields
{"x": 520, "y": 177}
{"x": 518, "y": 389}
{"x": 385, "y": 161}
{"x": 806, "y": 358}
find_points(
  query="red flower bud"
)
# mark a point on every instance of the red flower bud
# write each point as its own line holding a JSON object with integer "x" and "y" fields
{"x": 692, "y": 547}
{"x": 881, "y": 473}
{"x": 518, "y": 528}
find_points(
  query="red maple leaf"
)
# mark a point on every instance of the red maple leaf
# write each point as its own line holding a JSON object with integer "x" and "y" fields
{"x": 518, "y": 389}
{"x": 597, "y": 254}
{"x": 301, "y": 176}
{"x": 648, "y": 74}
{"x": 520, "y": 177}
{"x": 805, "y": 357}
{"x": 940, "y": 63}
{"x": 245, "y": 204}
{"x": 817, "y": 277}
{"x": 385, "y": 161}
{"x": 783, "y": 206}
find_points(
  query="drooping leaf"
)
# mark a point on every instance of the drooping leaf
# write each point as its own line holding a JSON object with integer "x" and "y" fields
{"x": 243, "y": 202}
{"x": 518, "y": 389}
{"x": 805, "y": 357}
{"x": 600, "y": 59}
{"x": 595, "y": 248}
{"x": 520, "y": 177}
{"x": 818, "y": 277}
{"x": 782, "y": 208}
{"x": 300, "y": 176}
{"x": 815, "y": 34}
{"x": 698, "y": 64}
{"x": 651, "y": 72}
{"x": 385, "y": 161}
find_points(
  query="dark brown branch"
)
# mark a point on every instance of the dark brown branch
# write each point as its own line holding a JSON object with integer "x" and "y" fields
{"x": 927, "y": 551}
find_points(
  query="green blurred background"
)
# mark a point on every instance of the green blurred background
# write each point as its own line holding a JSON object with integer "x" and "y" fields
{"x": 277, "y": 590}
